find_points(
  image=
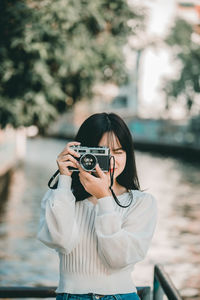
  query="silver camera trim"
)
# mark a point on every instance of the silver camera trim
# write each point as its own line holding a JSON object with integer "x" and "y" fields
{"x": 87, "y": 149}
{"x": 90, "y": 150}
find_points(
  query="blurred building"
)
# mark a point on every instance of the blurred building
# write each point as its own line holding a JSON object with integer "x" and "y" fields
{"x": 127, "y": 97}
{"x": 190, "y": 11}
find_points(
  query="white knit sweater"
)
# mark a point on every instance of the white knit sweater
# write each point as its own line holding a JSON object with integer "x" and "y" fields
{"x": 97, "y": 244}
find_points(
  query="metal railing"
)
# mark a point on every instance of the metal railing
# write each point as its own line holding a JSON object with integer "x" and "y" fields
{"x": 162, "y": 286}
{"x": 27, "y": 292}
{"x": 49, "y": 292}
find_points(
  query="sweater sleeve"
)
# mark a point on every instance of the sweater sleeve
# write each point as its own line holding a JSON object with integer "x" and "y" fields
{"x": 57, "y": 226}
{"x": 121, "y": 244}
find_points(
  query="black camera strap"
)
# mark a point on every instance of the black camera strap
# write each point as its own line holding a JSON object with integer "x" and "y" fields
{"x": 54, "y": 186}
{"x": 111, "y": 184}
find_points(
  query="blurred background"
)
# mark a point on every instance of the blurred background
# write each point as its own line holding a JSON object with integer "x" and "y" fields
{"x": 61, "y": 61}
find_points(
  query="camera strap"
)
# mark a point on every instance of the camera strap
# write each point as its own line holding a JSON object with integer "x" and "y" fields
{"x": 54, "y": 186}
{"x": 111, "y": 184}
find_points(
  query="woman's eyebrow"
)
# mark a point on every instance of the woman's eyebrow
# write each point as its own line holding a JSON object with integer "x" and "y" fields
{"x": 116, "y": 149}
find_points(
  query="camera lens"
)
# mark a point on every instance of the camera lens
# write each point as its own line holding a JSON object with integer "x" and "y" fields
{"x": 88, "y": 162}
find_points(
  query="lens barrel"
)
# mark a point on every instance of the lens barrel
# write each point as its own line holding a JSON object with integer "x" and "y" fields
{"x": 88, "y": 162}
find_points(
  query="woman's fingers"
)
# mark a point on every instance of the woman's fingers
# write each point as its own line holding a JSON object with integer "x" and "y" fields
{"x": 70, "y": 164}
{"x": 83, "y": 173}
{"x": 64, "y": 167}
{"x": 70, "y": 150}
{"x": 100, "y": 173}
{"x": 68, "y": 153}
{"x": 88, "y": 175}
{"x": 73, "y": 143}
{"x": 67, "y": 157}
{"x": 96, "y": 186}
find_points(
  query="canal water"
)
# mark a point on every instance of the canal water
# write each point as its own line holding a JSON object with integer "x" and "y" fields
{"x": 175, "y": 184}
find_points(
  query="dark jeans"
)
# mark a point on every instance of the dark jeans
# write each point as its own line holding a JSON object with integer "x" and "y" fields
{"x": 91, "y": 296}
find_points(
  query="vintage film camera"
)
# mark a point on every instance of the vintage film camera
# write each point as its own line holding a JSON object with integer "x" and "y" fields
{"x": 90, "y": 156}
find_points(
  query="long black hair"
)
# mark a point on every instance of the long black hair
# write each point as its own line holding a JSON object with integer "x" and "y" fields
{"x": 90, "y": 134}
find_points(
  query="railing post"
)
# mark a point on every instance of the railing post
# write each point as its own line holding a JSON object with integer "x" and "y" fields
{"x": 163, "y": 285}
{"x": 144, "y": 292}
{"x": 157, "y": 289}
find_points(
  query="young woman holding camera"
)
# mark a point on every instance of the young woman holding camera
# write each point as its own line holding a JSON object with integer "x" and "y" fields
{"x": 100, "y": 223}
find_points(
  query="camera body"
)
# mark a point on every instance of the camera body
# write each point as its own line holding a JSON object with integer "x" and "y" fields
{"x": 90, "y": 156}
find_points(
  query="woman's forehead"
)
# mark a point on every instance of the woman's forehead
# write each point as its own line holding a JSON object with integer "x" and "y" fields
{"x": 109, "y": 139}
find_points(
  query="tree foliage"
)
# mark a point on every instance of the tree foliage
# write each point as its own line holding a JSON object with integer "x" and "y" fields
{"x": 185, "y": 45}
{"x": 53, "y": 52}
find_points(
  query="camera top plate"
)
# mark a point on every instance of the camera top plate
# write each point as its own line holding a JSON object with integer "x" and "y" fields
{"x": 101, "y": 150}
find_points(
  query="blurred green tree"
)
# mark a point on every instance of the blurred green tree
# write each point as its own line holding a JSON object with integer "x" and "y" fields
{"x": 53, "y": 52}
{"x": 184, "y": 41}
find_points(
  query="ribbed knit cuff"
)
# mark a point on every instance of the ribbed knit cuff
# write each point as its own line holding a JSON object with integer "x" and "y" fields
{"x": 64, "y": 182}
{"x": 105, "y": 205}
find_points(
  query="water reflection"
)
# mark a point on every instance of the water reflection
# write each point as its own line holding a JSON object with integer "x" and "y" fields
{"x": 174, "y": 183}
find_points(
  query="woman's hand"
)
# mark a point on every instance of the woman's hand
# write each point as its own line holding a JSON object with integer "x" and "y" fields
{"x": 96, "y": 186}
{"x": 66, "y": 159}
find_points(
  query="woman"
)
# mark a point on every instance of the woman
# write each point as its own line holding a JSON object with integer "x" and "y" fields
{"x": 100, "y": 223}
